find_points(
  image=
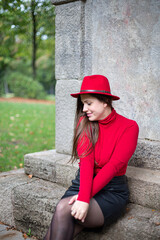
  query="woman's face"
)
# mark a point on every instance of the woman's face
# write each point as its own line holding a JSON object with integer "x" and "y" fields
{"x": 94, "y": 109}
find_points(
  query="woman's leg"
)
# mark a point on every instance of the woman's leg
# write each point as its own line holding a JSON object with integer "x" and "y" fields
{"x": 64, "y": 227}
{"x": 62, "y": 224}
{"x": 94, "y": 218}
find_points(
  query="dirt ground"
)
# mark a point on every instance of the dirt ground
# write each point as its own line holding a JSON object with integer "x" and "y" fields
{"x": 24, "y": 100}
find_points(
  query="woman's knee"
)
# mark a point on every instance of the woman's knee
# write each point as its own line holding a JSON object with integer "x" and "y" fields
{"x": 63, "y": 208}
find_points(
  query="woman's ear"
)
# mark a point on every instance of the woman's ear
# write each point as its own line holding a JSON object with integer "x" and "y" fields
{"x": 105, "y": 105}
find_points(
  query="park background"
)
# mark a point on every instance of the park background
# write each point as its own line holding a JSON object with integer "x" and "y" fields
{"x": 27, "y": 70}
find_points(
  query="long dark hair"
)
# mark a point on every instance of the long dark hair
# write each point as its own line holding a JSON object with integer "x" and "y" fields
{"x": 82, "y": 127}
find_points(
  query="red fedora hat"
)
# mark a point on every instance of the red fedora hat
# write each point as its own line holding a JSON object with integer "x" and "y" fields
{"x": 95, "y": 84}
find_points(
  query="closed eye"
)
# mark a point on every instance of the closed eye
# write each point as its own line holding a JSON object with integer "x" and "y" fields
{"x": 86, "y": 102}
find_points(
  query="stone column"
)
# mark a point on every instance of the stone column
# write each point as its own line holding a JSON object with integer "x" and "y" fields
{"x": 69, "y": 67}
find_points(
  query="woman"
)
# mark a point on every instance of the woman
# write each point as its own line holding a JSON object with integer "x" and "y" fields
{"x": 104, "y": 141}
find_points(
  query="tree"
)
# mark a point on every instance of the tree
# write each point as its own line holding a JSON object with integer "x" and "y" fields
{"x": 27, "y": 36}
{"x": 34, "y": 32}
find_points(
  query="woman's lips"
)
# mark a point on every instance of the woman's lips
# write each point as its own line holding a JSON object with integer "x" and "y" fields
{"x": 89, "y": 114}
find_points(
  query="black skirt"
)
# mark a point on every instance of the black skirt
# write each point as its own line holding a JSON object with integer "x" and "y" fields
{"x": 112, "y": 199}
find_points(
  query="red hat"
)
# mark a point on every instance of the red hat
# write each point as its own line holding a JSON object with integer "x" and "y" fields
{"x": 95, "y": 84}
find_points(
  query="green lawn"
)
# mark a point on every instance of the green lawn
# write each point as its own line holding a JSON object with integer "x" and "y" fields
{"x": 24, "y": 128}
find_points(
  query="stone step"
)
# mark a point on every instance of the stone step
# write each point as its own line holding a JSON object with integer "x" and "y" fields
{"x": 34, "y": 204}
{"x": 147, "y": 155}
{"x": 51, "y": 166}
{"x": 144, "y": 184}
{"x": 9, "y": 233}
{"x": 9, "y": 181}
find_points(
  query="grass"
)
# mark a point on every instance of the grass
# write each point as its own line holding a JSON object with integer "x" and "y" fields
{"x": 24, "y": 128}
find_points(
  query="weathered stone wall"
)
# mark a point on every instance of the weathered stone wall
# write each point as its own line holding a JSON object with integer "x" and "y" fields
{"x": 118, "y": 39}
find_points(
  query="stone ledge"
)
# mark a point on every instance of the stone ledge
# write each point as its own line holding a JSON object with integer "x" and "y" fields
{"x": 34, "y": 204}
{"x": 138, "y": 223}
{"x": 147, "y": 155}
{"x": 9, "y": 234}
{"x": 51, "y": 166}
{"x": 144, "y": 184}
{"x": 8, "y": 182}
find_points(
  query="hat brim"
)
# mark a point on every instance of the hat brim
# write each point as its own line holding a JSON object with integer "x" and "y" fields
{"x": 75, "y": 95}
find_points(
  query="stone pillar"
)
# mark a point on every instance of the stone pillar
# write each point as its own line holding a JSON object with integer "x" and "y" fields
{"x": 118, "y": 39}
{"x": 69, "y": 67}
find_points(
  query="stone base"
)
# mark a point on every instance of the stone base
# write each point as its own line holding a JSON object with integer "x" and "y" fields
{"x": 8, "y": 182}
{"x": 34, "y": 205}
{"x": 144, "y": 184}
{"x": 30, "y": 202}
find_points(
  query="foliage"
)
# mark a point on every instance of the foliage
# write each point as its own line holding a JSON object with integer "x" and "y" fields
{"x": 29, "y": 233}
{"x": 24, "y": 128}
{"x": 16, "y": 41}
{"x": 13, "y": 23}
{"x": 46, "y": 73}
{"x": 24, "y": 86}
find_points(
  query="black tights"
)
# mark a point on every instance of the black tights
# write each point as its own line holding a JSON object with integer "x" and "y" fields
{"x": 64, "y": 227}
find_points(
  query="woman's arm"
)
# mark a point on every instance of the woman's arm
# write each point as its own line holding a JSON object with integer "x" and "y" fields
{"x": 119, "y": 159}
{"x": 80, "y": 202}
{"x": 86, "y": 171}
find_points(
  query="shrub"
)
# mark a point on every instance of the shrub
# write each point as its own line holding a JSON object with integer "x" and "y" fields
{"x": 24, "y": 86}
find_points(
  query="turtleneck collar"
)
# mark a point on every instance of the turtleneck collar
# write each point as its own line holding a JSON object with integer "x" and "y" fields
{"x": 109, "y": 118}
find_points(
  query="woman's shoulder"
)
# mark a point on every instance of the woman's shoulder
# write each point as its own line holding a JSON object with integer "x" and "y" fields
{"x": 127, "y": 122}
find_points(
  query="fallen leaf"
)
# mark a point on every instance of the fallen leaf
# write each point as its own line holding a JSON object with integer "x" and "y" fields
{"x": 127, "y": 209}
{"x": 30, "y": 176}
{"x": 157, "y": 223}
{"x": 1, "y": 155}
{"x": 2, "y": 223}
{"x": 10, "y": 228}
{"x": 21, "y": 165}
{"x": 31, "y": 133}
{"x": 12, "y": 118}
{"x": 16, "y": 146}
{"x": 130, "y": 218}
{"x": 25, "y": 235}
{"x": 11, "y": 134}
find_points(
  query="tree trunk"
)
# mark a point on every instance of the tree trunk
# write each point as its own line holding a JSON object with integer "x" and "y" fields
{"x": 34, "y": 47}
{"x": 6, "y": 87}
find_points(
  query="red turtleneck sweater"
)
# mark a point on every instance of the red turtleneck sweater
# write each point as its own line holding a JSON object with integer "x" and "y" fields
{"x": 116, "y": 144}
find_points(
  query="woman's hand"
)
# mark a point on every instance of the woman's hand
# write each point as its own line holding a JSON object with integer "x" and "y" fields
{"x": 73, "y": 199}
{"x": 79, "y": 210}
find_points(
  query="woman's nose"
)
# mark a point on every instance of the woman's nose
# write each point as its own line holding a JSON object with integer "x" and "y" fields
{"x": 84, "y": 108}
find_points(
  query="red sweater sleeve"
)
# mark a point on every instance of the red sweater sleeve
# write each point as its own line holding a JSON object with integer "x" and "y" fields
{"x": 123, "y": 151}
{"x": 86, "y": 171}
